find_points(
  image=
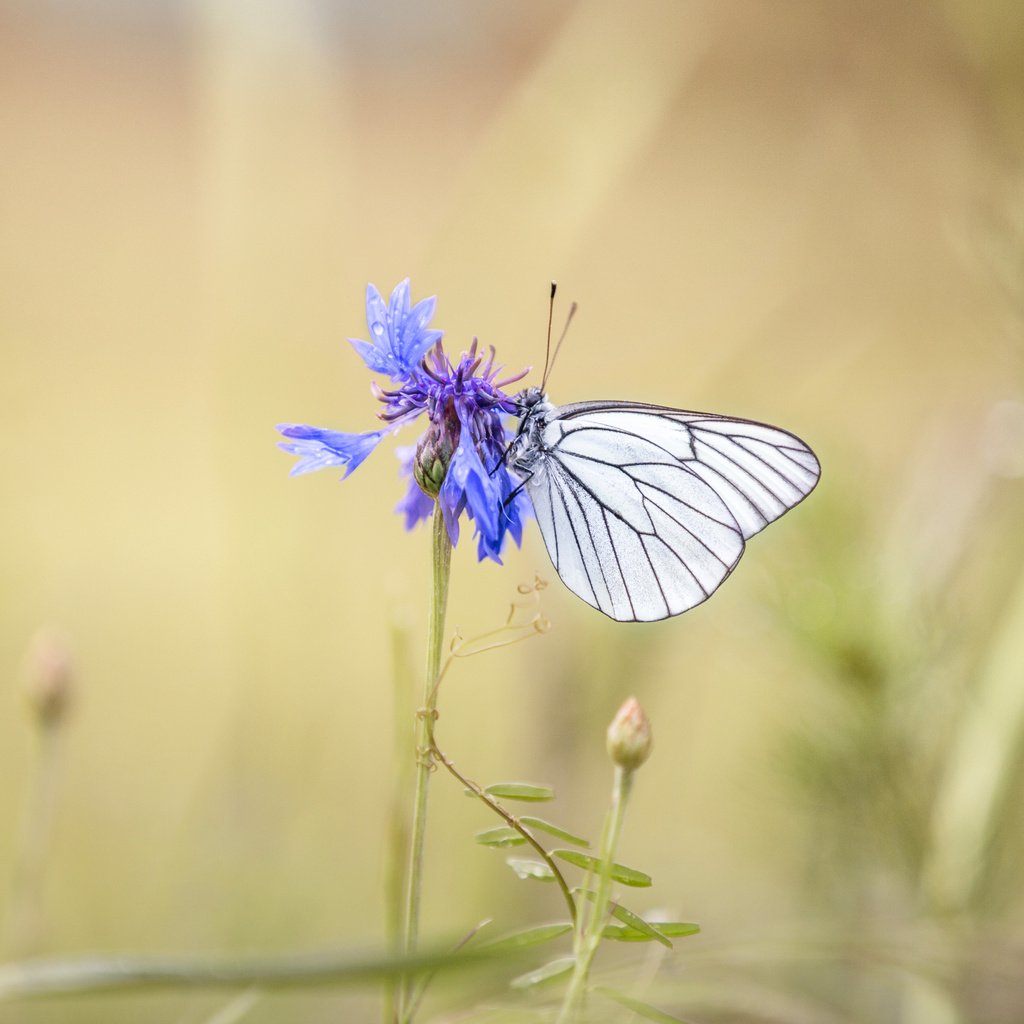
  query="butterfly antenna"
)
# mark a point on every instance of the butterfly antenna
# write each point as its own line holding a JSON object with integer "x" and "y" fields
{"x": 547, "y": 348}
{"x": 558, "y": 347}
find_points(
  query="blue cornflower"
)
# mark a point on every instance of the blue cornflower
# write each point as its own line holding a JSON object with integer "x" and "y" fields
{"x": 459, "y": 461}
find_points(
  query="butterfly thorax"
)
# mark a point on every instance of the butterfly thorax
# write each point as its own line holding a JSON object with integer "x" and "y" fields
{"x": 527, "y": 446}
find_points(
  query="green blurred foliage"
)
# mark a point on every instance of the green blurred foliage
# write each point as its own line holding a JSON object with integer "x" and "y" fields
{"x": 805, "y": 213}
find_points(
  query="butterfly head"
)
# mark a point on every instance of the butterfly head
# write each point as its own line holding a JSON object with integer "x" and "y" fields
{"x": 528, "y": 399}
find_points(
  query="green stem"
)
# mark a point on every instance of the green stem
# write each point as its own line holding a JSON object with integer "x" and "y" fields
{"x": 589, "y": 939}
{"x": 398, "y": 825}
{"x": 442, "y": 556}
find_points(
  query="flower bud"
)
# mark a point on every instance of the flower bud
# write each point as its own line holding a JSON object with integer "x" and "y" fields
{"x": 434, "y": 453}
{"x": 48, "y": 676}
{"x": 629, "y": 736}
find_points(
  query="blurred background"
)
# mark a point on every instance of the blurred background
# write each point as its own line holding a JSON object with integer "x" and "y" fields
{"x": 809, "y": 212}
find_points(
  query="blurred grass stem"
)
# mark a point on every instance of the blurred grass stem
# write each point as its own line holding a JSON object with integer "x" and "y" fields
{"x": 238, "y": 1008}
{"x": 120, "y": 973}
{"x": 24, "y": 923}
{"x": 442, "y": 558}
{"x": 978, "y": 771}
{"x": 588, "y": 938}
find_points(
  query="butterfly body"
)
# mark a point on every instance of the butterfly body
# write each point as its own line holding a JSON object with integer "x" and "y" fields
{"x": 527, "y": 453}
{"x": 645, "y": 510}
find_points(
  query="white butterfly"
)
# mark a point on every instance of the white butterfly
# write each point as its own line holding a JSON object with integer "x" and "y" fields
{"x": 645, "y": 510}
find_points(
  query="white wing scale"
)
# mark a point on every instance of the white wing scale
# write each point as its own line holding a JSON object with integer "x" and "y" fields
{"x": 645, "y": 510}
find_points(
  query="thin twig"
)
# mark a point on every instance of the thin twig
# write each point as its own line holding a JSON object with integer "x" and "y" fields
{"x": 510, "y": 819}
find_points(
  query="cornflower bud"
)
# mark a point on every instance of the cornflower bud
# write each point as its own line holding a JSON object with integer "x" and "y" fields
{"x": 434, "y": 453}
{"x": 48, "y": 676}
{"x": 629, "y": 736}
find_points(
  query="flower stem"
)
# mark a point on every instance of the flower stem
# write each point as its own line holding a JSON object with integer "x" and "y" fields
{"x": 24, "y": 925}
{"x": 403, "y": 675}
{"x": 589, "y": 938}
{"x": 442, "y": 555}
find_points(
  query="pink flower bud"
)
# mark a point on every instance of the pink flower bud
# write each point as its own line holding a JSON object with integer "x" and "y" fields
{"x": 629, "y": 736}
{"x": 48, "y": 676}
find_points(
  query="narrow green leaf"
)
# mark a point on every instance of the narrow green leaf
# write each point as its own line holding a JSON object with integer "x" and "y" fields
{"x": 648, "y": 932}
{"x": 644, "y": 1010}
{"x": 644, "y": 929}
{"x": 676, "y": 929}
{"x": 500, "y": 836}
{"x": 554, "y": 830}
{"x": 520, "y": 791}
{"x": 623, "y": 933}
{"x": 528, "y": 937}
{"x": 621, "y": 873}
{"x": 550, "y": 971}
{"x": 531, "y": 869}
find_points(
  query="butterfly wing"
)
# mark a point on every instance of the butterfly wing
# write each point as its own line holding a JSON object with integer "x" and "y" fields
{"x": 645, "y": 510}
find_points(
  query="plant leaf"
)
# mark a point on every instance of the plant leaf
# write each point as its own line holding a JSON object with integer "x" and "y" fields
{"x": 520, "y": 791}
{"x": 644, "y": 1010}
{"x": 528, "y": 937}
{"x": 531, "y": 869}
{"x": 554, "y": 830}
{"x": 676, "y": 929}
{"x": 634, "y": 923}
{"x": 500, "y": 836}
{"x": 649, "y": 931}
{"x": 623, "y": 933}
{"x": 550, "y": 971}
{"x": 621, "y": 873}
{"x": 644, "y": 930}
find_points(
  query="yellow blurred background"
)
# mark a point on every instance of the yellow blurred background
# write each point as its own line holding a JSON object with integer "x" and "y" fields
{"x": 810, "y": 213}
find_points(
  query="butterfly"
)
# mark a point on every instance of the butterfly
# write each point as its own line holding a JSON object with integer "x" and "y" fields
{"x": 645, "y": 510}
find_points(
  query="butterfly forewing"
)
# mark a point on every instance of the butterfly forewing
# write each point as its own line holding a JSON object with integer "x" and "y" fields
{"x": 644, "y": 510}
{"x": 760, "y": 471}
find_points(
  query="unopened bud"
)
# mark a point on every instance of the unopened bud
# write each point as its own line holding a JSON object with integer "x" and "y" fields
{"x": 629, "y": 736}
{"x": 434, "y": 454}
{"x": 48, "y": 676}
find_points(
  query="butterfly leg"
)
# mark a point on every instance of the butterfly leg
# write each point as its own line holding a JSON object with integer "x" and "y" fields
{"x": 508, "y": 501}
{"x": 503, "y": 459}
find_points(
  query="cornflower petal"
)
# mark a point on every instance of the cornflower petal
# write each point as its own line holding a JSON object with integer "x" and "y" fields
{"x": 511, "y": 513}
{"x": 468, "y": 485}
{"x": 514, "y": 510}
{"x": 417, "y": 341}
{"x": 462, "y": 489}
{"x": 399, "y": 337}
{"x": 462, "y": 450}
{"x": 482, "y": 501}
{"x": 375, "y": 359}
{"x": 318, "y": 448}
{"x": 399, "y": 303}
